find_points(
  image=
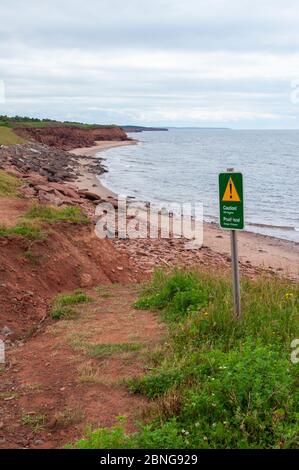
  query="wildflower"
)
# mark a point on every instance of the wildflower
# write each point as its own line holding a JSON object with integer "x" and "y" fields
{"x": 289, "y": 295}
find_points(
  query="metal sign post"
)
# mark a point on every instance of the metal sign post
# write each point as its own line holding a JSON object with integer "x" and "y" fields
{"x": 235, "y": 274}
{"x": 232, "y": 218}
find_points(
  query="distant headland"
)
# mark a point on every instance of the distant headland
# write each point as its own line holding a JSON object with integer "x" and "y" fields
{"x": 143, "y": 129}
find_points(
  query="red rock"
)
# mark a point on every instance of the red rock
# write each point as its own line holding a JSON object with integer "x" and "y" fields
{"x": 47, "y": 188}
{"x": 66, "y": 190}
{"x": 89, "y": 195}
{"x": 85, "y": 280}
{"x": 49, "y": 198}
{"x": 35, "y": 179}
{"x": 28, "y": 192}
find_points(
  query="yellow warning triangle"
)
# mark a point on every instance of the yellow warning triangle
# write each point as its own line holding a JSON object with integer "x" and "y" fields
{"x": 231, "y": 194}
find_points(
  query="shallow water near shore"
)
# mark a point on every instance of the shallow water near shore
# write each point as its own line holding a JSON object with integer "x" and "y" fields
{"x": 182, "y": 165}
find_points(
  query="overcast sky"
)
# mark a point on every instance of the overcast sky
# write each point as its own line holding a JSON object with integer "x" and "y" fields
{"x": 231, "y": 63}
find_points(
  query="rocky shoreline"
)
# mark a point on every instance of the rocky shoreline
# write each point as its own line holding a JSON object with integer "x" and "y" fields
{"x": 49, "y": 174}
{"x": 54, "y": 164}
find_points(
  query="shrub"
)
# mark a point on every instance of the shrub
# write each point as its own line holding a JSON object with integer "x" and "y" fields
{"x": 178, "y": 295}
{"x": 156, "y": 384}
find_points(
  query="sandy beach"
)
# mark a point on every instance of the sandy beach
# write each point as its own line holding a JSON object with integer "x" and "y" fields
{"x": 270, "y": 254}
{"x": 89, "y": 181}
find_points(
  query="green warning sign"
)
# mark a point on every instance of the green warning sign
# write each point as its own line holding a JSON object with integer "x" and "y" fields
{"x": 231, "y": 201}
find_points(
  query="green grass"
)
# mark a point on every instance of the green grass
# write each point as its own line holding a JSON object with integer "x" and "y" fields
{"x": 30, "y": 227}
{"x": 220, "y": 383}
{"x": 26, "y": 230}
{"x": 53, "y": 214}
{"x": 9, "y": 185}
{"x": 62, "y": 304}
{"x": 8, "y": 137}
{"x": 101, "y": 351}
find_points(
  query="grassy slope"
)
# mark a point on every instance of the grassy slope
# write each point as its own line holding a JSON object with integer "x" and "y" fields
{"x": 30, "y": 225}
{"x": 8, "y": 137}
{"x": 9, "y": 185}
{"x": 217, "y": 383}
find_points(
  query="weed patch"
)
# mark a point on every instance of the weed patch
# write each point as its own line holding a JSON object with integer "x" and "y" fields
{"x": 32, "y": 258}
{"x": 68, "y": 417}
{"x": 53, "y": 214}
{"x": 62, "y": 304}
{"x": 26, "y": 230}
{"x": 34, "y": 421}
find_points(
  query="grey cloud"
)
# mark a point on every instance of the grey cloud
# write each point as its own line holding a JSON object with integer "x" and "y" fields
{"x": 199, "y": 25}
{"x": 115, "y": 61}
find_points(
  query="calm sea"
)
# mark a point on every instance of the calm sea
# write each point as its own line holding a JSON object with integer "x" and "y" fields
{"x": 182, "y": 165}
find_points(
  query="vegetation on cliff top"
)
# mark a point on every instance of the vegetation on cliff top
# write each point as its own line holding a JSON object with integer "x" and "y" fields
{"x": 217, "y": 383}
{"x": 25, "y": 121}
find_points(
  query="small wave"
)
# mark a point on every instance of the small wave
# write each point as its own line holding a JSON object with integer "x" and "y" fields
{"x": 281, "y": 227}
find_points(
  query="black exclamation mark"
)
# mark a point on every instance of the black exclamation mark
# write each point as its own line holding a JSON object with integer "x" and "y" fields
{"x": 230, "y": 190}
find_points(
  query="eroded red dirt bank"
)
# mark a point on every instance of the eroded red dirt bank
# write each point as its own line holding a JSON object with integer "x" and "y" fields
{"x": 31, "y": 274}
{"x": 70, "y": 137}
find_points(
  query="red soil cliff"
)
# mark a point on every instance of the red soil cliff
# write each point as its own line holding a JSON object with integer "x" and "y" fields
{"x": 70, "y": 137}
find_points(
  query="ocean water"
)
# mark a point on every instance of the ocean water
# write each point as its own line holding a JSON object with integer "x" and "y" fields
{"x": 182, "y": 165}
